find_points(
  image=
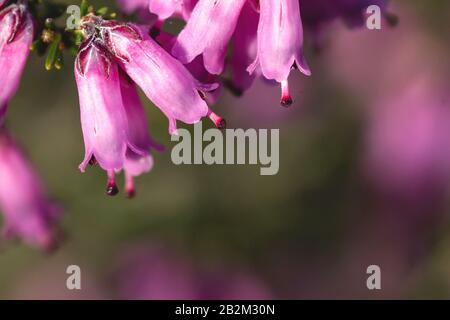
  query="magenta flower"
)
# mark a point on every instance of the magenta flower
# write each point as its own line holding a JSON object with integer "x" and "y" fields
{"x": 28, "y": 212}
{"x": 207, "y": 32}
{"x": 107, "y": 137}
{"x": 196, "y": 67}
{"x": 280, "y": 43}
{"x": 16, "y": 36}
{"x": 279, "y": 38}
{"x": 167, "y": 8}
{"x": 131, "y": 6}
{"x": 244, "y": 49}
{"x": 148, "y": 10}
{"x": 165, "y": 81}
{"x": 138, "y": 7}
{"x": 138, "y": 133}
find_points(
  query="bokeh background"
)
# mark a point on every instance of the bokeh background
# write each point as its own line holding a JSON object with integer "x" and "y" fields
{"x": 364, "y": 179}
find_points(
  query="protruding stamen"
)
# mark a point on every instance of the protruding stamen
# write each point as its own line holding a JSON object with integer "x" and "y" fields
{"x": 286, "y": 99}
{"x": 129, "y": 186}
{"x": 219, "y": 122}
{"x": 111, "y": 188}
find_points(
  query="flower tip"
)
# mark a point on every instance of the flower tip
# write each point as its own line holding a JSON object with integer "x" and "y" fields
{"x": 286, "y": 101}
{"x": 112, "y": 190}
{"x": 218, "y": 121}
{"x": 221, "y": 124}
{"x": 131, "y": 193}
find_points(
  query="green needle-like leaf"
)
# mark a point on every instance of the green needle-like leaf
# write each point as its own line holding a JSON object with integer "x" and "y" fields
{"x": 52, "y": 52}
{"x": 84, "y": 7}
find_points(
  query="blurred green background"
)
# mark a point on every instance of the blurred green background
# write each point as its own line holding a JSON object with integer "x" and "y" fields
{"x": 308, "y": 232}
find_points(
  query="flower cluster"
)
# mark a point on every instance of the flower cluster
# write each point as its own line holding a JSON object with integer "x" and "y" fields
{"x": 114, "y": 58}
{"x": 181, "y": 74}
{"x": 267, "y": 39}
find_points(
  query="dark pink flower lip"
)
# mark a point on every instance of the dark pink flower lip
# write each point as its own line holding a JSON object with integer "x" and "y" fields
{"x": 218, "y": 121}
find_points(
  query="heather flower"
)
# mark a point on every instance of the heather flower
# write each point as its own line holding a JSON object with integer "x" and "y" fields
{"x": 196, "y": 67}
{"x": 23, "y": 201}
{"x": 207, "y": 32}
{"x": 244, "y": 49}
{"x": 163, "y": 9}
{"x": 131, "y": 6}
{"x": 138, "y": 7}
{"x": 16, "y": 36}
{"x": 167, "y": 8}
{"x": 279, "y": 38}
{"x": 280, "y": 43}
{"x": 108, "y": 139}
{"x": 165, "y": 81}
{"x": 138, "y": 134}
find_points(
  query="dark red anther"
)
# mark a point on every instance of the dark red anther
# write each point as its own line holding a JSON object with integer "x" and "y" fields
{"x": 219, "y": 122}
{"x": 222, "y": 124}
{"x": 286, "y": 102}
{"x": 111, "y": 188}
{"x": 286, "y": 99}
